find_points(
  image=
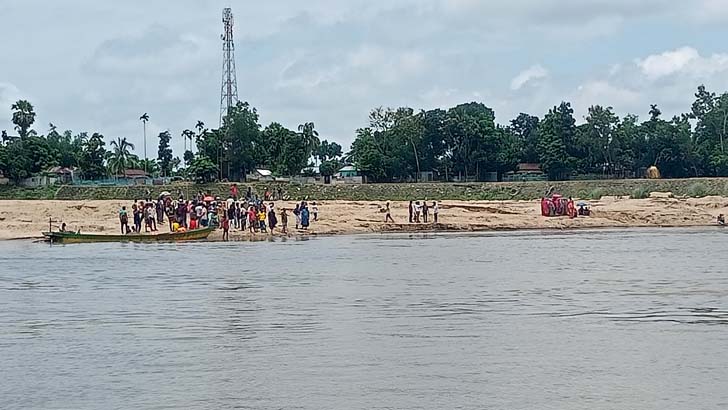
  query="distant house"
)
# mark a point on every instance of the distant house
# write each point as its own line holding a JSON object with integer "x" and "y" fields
{"x": 529, "y": 168}
{"x": 348, "y": 175}
{"x": 134, "y": 174}
{"x": 348, "y": 171}
{"x": 526, "y": 172}
{"x": 134, "y": 177}
{"x": 261, "y": 175}
{"x": 62, "y": 175}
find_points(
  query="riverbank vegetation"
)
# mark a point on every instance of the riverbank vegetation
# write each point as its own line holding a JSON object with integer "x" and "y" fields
{"x": 401, "y": 144}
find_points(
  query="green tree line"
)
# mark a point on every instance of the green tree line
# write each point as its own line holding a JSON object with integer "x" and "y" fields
{"x": 399, "y": 144}
{"x": 465, "y": 141}
{"x": 238, "y": 147}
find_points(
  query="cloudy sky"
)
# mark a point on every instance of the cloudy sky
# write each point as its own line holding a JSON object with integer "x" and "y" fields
{"x": 98, "y": 65}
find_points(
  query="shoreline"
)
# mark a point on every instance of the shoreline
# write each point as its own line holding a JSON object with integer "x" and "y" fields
{"x": 26, "y": 219}
{"x": 216, "y": 237}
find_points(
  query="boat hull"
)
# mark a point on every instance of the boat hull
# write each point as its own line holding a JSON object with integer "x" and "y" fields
{"x": 69, "y": 237}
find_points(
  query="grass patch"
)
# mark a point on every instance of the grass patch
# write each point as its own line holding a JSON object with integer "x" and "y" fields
{"x": 697, "y": 190}
{"x": 640, "y": 193}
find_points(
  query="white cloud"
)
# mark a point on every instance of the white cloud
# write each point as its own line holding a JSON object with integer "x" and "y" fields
{"x": 685, "y": 61}
{"x": 669, "y": 62}
{"x": 528, "y": 75}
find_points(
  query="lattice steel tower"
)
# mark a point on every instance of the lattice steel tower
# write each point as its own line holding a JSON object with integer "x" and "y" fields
{"x": 229, "y": 88}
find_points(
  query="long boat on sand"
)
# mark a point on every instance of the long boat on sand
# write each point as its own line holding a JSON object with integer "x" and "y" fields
{"x": 73, "y": 237}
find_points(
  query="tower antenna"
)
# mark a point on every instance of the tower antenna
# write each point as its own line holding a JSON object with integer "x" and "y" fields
{"x": 229, "y": 88}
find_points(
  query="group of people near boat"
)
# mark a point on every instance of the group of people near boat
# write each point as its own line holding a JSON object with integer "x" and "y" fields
{"x": 252, "y": 213}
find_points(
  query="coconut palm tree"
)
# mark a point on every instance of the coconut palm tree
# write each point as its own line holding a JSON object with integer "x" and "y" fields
{"x": 120, "y": 157}
{"x": 144, "y": 119}
{"x": 188, "y": 135}
{"x": 23, "y": 117}
{"x": 310, "y": 137}
{"x": 200, "y": 129}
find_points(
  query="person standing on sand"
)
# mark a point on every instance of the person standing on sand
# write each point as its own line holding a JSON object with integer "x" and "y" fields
{"x": 314, "y": 209}
{"x": 425, "y": 211}
{"x": 272, "y": 220}
{"x": 252, "y": 219}
{"x": 297, "y": 214}
{"x": 261, "y": 220}
{"x": 124, "y": 220}
{"x": 284, "y": 221}
{"x": 225, "y": 229}
{"x": 411, "y": 211}
{"x": 160, "y": 211}
{"x": 304, "y": 217}
{"x": 435, "y": 211}
{"x": 418, "y": 209}
{"x": 388, "y": 218}
{"x": 137, "y": 218}
{"x": 234, "y": 192}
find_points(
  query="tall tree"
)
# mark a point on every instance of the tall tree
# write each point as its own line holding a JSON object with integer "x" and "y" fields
{"x": 119, "y": 158}
{"x": 92, "y": 157}
{"x": 525, "y": 130}
{"x": 144, "y": 118}
{"x": 310, "y": 137}
{"x": 23, "y": 117}
{"x": 164, "y": 154}
{"x": 288, "y": 151}
{"x": 241, "y": 143}
{"x": 557, "y": 133}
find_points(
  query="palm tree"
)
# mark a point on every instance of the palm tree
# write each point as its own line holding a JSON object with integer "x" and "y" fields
{"x": 310, "y": 137}
{"x": 23, "y": 117}
{"x": 144, "y": 118}
{"x": 200, "y": 128}
{"x": 120, "y": 158}
{"x": 188, "y": 134}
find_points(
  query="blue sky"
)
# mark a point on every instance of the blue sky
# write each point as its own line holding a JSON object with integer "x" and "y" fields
{"x": 96, "y": 66}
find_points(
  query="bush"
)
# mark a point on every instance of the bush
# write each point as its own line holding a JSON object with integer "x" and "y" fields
{"x": 697, "y": 190}
{"x": 595, "y": 194}
{"x": 640, "y": 193}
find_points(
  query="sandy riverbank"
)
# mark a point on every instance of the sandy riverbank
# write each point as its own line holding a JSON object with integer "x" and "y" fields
{"x": 26, "y": 219}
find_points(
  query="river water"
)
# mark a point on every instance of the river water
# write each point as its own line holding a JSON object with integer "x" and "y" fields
{"x": 588, "y": 320}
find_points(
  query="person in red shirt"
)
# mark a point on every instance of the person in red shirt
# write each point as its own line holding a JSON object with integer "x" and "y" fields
{"x": 225, "y": 229}
{"x": 234, "y": 192}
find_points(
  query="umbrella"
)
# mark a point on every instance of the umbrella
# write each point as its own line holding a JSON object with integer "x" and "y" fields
{"x": 165, "y": 194}
{"x": 208, "y": 199}
{"x": 582, "y": 203}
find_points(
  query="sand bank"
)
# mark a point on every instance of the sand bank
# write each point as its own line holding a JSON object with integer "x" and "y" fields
{"x": 26, "y": 219}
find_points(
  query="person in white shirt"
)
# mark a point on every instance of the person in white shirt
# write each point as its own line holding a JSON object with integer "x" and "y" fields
{"x": 435, "y": 211}
{"x": 314, "y": 210}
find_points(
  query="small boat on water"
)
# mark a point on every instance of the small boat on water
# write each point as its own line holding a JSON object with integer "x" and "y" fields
{"x": 73, "y": 237}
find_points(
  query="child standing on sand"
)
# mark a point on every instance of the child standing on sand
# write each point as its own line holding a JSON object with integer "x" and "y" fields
{"x": 225, "y": 228}
{"x": 284, "y": 221}
{"x": 261, "y": 220}
{"x": 314, "y": 210}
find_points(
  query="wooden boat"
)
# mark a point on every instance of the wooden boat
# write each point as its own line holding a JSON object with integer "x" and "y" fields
{"x": 72, "y": 237}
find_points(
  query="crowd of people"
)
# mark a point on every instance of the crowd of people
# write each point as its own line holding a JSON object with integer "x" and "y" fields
{"x": 249, "y": 213}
